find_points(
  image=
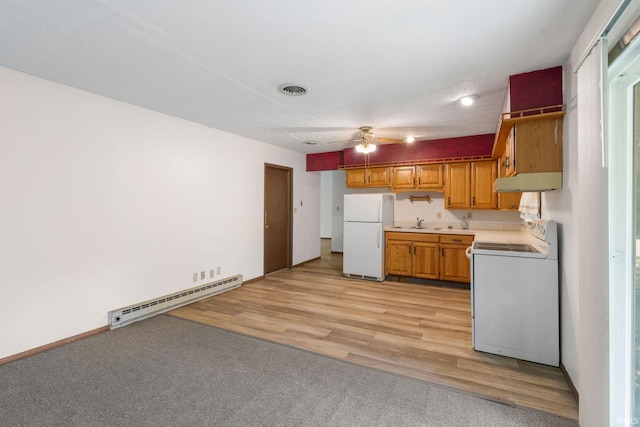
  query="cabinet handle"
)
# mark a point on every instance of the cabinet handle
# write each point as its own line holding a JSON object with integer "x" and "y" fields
{"x": 448, "y": 201}
{"x": 457, "y": 240}
{"x": 507, "y": 162}
{"x": 442, "y": 251}
{"x": 419, "y": 181}
{"x": 473, "y": 201}
{"x": 414, "y": 250}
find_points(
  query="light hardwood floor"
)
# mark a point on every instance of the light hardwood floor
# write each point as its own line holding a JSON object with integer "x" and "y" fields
{"x": 418, "y": 331}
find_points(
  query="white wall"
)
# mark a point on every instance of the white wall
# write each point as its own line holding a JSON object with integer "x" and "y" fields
{"x": 563, "y": 208}
{"x": 105, "y": 204}
{"x": 326, "y": 203}
{"x": 337, "y": 220}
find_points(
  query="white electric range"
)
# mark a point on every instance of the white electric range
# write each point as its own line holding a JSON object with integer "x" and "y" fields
{"x": 515, "y": 296}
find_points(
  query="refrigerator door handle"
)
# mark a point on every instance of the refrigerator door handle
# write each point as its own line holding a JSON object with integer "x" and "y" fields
{"x": 379, "y": 210}
{"x": 379, "y": 234}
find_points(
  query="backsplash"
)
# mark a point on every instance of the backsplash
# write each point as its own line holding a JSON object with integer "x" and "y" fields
{"x": 406, "y": 212}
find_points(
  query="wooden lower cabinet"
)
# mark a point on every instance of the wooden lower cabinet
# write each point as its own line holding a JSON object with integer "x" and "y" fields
{"x": 399, "y": 254}
{"x": 428, "y": 256}
{"x": 425, "y": 258}
{"x": 454, "y": 264}
{"x": 412, "y": 254}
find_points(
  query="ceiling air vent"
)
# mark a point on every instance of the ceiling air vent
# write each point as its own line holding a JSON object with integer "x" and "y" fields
{"x": 292, "y": 89}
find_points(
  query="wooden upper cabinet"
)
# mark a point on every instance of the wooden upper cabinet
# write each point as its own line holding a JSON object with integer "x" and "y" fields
{"x": 457, "y": 190}
{"x": 507, "y": 158}
{"x": 356, "y": 178}
{"x": 429, "y": 176}
{"x": 404, "y": 178}
{"x": 368, "y": 177}
{"x": 537, "y": 146}
{"x": 420, "y": 177}
{"x": 528, "y": 142}
{"x": 469, "y": 185}
{"x": 483, "y": 175}
{"x": 379, "y": 177}
{"x": 507, "y": 201}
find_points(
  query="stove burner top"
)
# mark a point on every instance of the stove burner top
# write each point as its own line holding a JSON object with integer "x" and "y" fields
{"x": 508, "y": 247}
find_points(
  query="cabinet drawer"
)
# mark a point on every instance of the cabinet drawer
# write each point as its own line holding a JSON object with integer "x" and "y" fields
{"x": 413, "y": 237}
{"x": 456, "y": 239}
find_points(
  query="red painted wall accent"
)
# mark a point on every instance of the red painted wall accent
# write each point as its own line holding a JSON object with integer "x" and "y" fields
{"x": 449, "y": 148}
{"x": 324, "y": 161}
{"x": 536, "y": 89}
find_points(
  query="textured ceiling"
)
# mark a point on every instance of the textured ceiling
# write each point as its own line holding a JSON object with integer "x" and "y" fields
{"x": 398, "y": 66}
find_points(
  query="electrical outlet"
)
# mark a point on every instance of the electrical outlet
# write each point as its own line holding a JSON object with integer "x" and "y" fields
{"x": 300, "y": 202}
{"x": 439, "y": 215}
{"x": 212, "y": 273}
{"x": 218, "y": 271}
{"x": 202, "y": 275}
{"x": 195, "y": 277}
{"x": 469, "y": 215}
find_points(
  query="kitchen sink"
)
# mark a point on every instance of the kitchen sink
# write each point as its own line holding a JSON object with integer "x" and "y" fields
{"x": 418, "y": 228}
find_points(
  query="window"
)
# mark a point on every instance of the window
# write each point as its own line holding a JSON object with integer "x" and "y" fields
{"x": 624, "y": 231}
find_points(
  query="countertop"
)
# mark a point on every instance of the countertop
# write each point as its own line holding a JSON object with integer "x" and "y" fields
{"x": 495, "y": 233}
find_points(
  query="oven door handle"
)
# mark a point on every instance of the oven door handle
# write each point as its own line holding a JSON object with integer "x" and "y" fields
{"x": 468, "y": 253}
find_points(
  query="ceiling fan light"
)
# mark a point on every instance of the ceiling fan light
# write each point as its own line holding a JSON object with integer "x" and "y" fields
{"x": 366, "y": 148}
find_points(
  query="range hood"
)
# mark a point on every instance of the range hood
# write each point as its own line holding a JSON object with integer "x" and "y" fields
{"x": 534, "y": 181}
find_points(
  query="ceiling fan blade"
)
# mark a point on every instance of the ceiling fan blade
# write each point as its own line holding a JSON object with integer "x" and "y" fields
{"x": 344, "y": 141}
{"x": 389, "y": 141}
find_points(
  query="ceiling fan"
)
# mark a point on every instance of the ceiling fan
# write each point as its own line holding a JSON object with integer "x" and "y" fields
{"x": 367, "y": 139}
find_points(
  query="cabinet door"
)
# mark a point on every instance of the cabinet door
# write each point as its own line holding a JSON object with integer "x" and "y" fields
{"x": 356, "y": 177}
{"x": 454, "y": 264}
{"x": 509, "y": 201}
{"x": 538, "y": 146}
{"x": 508, "y": 160}
{"x": 379, "y": 177}
{"x": 429, "y": 176}
{"x": 457, "y": 186}
{"x": 404, "y": 177}
{"x": 425, "y": 260}
{"x": 398, "y": 257}
{"x": 483, "y": 175}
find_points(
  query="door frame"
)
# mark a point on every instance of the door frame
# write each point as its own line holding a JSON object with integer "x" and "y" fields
{"x": 289, "y": 209}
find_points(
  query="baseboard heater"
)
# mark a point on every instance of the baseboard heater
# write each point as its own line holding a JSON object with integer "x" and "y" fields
{"x": 126, "y": 315}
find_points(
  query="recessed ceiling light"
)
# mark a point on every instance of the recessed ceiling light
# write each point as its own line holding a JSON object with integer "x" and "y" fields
{"x": 409, "y": 139}
{"x": 468, "y": 100}
{"x": 292, "y": 89}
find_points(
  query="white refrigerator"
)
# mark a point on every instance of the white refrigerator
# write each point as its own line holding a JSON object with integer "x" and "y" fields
{"x": 365, "y": 216}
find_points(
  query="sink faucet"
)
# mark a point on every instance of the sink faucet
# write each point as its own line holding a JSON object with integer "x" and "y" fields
{"x": 465, "y": 224}
{"x": 419, "y": 222}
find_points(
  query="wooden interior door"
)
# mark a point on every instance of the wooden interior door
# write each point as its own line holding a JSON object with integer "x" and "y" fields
{"x": 278, "y": 193}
